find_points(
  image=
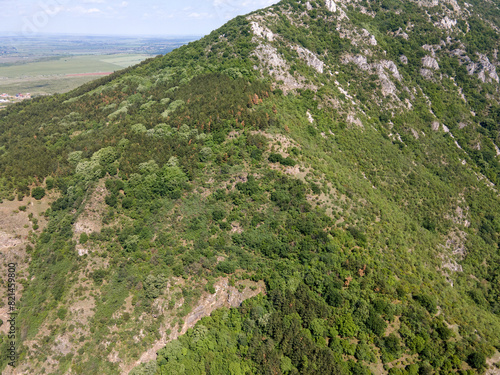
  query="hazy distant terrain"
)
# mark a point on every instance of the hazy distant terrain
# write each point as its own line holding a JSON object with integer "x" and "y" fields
{"x": 56, "y": 64}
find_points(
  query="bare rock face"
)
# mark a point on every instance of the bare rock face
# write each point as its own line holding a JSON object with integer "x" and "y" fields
{"x": 310, "y": 58}
{"x": 488, "y": 70}
{"x": 380, "y": 68}
{"x": 485, "y": 70}
{"x": 391, "y": 67}
{"x": 225, "y": 296}
{"x": 403, "y": 59}
{"x": 428, "y": 3}
{"x": 430, "y": 63}
{"x": 331, "y": 6}
{"x": 270, "y": 55}
{"x": 371, "y": 38}
{"x": 359, "y": 60}
{"x": 431, "y": 48}
{"x": 352, "y": 119}
{"x": 447, "y": 23}
{"x": 262, "y": 31}
{"x": 270, "y": 59}
{"x": 402, "y": 34}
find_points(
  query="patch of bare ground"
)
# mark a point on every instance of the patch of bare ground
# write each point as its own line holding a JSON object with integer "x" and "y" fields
{"x": 225, "y": 296}
{"x": 404, "y": 360}
{"x": 15, "y": 232}
{"x": 394, "y": 327}
{"x": 280, "y": 142}
{"x": 377, "y": 368}
{"x": 330, "y": 201}
{"x": 80, "y": 309}
{"x": 90, "y": 219}
{"x": 493, "y": 364}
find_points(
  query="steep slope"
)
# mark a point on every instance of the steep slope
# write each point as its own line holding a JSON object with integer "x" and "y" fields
{"x": 345, "y": 153}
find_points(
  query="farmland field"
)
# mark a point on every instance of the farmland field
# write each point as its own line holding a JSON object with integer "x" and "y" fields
{"x": 61, "y": 75}
{"x": 56, "y": 64}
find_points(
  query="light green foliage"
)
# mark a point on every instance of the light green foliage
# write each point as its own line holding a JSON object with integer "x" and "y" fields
{"x": 173, "y": 107}
{"x": 160, "y": 131}
{"x": 318, "y": 328}
{"x": 172, "y": 162}
{"x": 149, "y": 167}
{"x": 120, "y": 112}
{"x": 286, "y": 365}
{"x": 75, "y": 157}
{"x": 206, "y": 154}
{"x": 138, "y": 128}
{"x": 145, "y": 369}
{"x": 148, "y": 105}
{"x": 123, "y": 143}
{"x": 89, "y": 170}
{"x": 346, "y": 326}
{"x": 105, "y": 156}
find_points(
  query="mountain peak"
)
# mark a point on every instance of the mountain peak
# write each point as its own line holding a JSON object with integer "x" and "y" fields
{"x": 330, "y": 166}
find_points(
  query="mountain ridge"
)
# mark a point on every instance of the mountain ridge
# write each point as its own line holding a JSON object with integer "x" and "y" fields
{"x": 348, "y": 162}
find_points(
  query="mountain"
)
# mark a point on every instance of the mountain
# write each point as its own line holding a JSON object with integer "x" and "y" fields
{"x": 315, "y": 181}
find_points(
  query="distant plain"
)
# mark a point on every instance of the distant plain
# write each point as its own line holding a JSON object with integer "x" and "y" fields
{"x": 47, "y": 65}
{"x": 62, "y": 74}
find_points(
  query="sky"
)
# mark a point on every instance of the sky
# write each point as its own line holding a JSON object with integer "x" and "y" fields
{"x": 121, "y": 17}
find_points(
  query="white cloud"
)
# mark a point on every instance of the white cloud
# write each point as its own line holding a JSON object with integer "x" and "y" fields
{"x": 82, "y": 10}
{"x": 94, "y": 1}
{"x": 200, "y": 15}
{"x": 244, "y": 4}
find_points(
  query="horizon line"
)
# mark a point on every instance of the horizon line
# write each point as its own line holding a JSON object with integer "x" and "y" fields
{"x": 7, "y": 34}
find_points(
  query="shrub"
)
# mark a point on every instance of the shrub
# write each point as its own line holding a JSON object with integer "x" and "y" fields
{"x": 277, "y": 158}
{"x": 98, "y": 276}
{"x": 206, "y": 154}
{"x": 84, "y": 238}
{"x": 427, "y": 302}
{"x": 61, "y": 313}
{"x": 376, "y": 324}
{"x": 477, "y": 360}
{"x": 218, "y": 215}
{"x": 49, "y": 183}
{"x": 154, "y": 285}
{"x": 226, "y": 267}
{"x": 127, "y": 203}
{"x": 38, "y": 193}
{"x": 111, "y": 200}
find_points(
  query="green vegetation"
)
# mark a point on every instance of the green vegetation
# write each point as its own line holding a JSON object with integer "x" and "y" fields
{"x": 379, "y": 248}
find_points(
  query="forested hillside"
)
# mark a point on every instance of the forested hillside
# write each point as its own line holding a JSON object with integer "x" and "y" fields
{"x": 343, "y": 154}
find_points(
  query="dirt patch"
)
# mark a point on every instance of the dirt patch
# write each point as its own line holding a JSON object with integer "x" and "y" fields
{"x": 225, "y": 296}
{"x": 15, "y": 229}
{"x": 80, "y": 309}
{"x": 492, "y": 364}
{"x": 90, "y": 220}
{"x": 394, "y": 327}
